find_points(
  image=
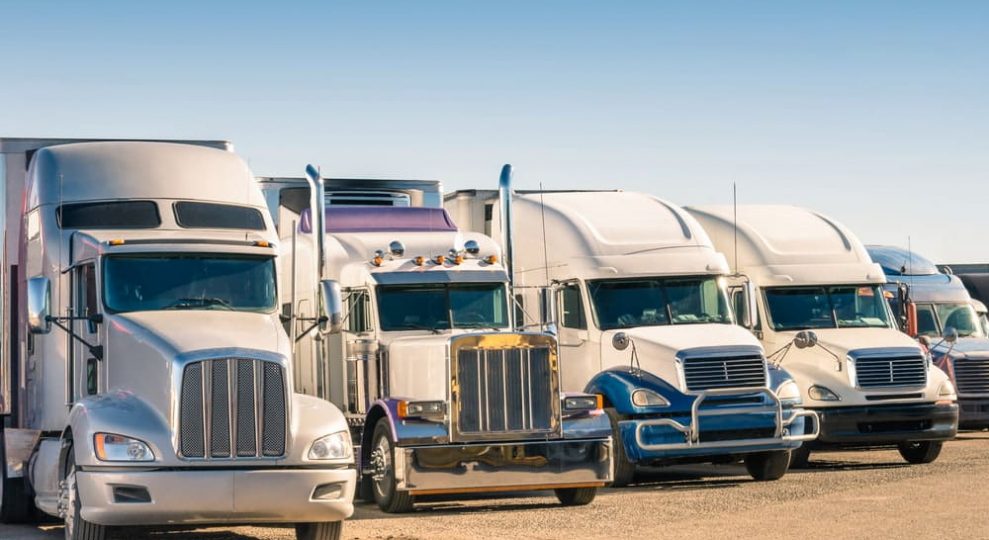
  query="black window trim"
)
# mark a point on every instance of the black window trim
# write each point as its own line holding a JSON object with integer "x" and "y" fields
{"x": 58, "y": 214}
{"x": 178, "y": 219}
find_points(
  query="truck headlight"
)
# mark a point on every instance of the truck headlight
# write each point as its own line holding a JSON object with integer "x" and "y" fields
{"x": 113, "y": 447}
{"x": 333, "y": 446}
{"x": 821, "y": 393}
{"x": 582, "y": 403}
{"x": 422, "y": 409}
{"x": 788, "y": 391}
{"x": 648, "y": 398}
{"x": 946, "y": 391}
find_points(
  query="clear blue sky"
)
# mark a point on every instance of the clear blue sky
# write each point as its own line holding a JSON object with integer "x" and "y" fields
{"x": 874, "y": 112}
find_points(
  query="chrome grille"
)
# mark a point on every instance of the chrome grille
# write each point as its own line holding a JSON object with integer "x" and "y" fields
{"x": 505, "y": 391}
{"x": 229, "y": 402}
{"x": 972, "y": 375}
{"x": 724, "y": 371}
{"x": 890, "y": 371}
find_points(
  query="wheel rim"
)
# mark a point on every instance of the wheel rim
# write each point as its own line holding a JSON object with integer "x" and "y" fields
{"x": 67, "y": 499}
{"x": 381, "y": 467}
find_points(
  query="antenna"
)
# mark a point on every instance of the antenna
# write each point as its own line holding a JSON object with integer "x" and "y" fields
{"x": 734, "y": 224}
{"x": 542, "y": 211}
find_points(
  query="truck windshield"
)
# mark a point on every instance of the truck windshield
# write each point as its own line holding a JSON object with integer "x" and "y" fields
{"x": 189, "y": 281}
{"x": 961, "y": 317}
{"x": 843, "y": 306}
{"x": 442, "y": 306}
{"x": 627, "y": 303}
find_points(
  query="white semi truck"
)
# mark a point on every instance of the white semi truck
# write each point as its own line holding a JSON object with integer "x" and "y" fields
{"x": 871, "y": 385}
{"x": 443, "y": 395}
{"x": 146, "y": 377}
{"x": 682, "y": 383}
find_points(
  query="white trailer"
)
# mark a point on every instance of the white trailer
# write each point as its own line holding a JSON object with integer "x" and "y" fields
{"x": 443, "y": 395}
{"x": 638, "y": 272}
{"x": 146, "y": 377}
{"x": 871, "y": 384}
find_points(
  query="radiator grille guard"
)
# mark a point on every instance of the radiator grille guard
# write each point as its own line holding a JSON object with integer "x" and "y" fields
{"x": 232, "y": 408}
{"x": 504, "y": 386}
{"x": 894, "y": 368}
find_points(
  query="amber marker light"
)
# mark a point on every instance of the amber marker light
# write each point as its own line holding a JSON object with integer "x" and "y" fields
{"x": 491, "y": 259}
{"x": 419, "y": 260}
{"x": 262, "y": 243}
{"x": 377, "y": 260}
{"x": 459, "y": 259}
{"x": 116, "y": 242}
{"x": 440, "y": 259}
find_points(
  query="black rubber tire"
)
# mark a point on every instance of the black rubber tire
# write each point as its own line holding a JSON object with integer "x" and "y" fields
{"x": 327, "y": 530}
{"x": 576, "y": 496}
{"x": 800, "y": 457}
{"x": 389, "y": 498}
{"x": 622, "y": 470}
{"x": 80, "y": 529}
{"x": 16, "y": 503}
{"x": 920, "y": 452}
{"x": 768, "y": 466}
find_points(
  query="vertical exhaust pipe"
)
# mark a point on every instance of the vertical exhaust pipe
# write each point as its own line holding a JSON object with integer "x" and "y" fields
{"x": 317, "y": 205}
{"x": 505, "y": 204}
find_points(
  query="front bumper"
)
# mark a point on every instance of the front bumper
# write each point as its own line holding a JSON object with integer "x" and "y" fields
{"x": 191, "y": 496}
{"x": 887, "y": 424}
{"x": 973, "y": 412}
{"x": 718, "y": 430}
{"x": 492, "y": 467}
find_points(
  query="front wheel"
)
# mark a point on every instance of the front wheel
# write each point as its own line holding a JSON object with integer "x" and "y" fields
{"x": 800, "y": 457}
{"x": 766, "y": 466}
{"x": 76, "y": 528}
{"x": 576, "y": 496}
{"x": 623, "y": 470}
{"x": 920, "y": 452}
{"x": 328, "y": 530}
{"x": 382, "y": 464}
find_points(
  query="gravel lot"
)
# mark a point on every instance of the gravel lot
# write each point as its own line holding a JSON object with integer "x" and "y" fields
{"x": 845, "y": 495}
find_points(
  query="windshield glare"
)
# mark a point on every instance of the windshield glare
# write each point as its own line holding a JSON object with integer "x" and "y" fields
{"x": 442, "y": 306}
{"x": 961, "y": 317}
{"x": 844, "y": 306}
{"x": 185, "y": 282}
{"x": 627, "y": 303}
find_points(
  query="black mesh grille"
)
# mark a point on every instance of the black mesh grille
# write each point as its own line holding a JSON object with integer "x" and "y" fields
{"x": 504, "y": 390}
{"x": 237, "y": 393}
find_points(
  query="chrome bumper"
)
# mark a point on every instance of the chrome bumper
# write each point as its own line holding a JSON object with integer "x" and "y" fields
{"x": 692, "y": 432}
{"x": 192, "y": 496}
{"x": 515, "y": 466}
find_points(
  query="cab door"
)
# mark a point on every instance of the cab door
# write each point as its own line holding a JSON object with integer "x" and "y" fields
{"x": 579, "y": 356}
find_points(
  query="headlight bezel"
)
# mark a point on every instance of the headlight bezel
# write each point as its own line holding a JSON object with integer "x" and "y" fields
{"x": 322, "y": 448}
{"x": 822, "y": 393}
{"x": 645, "y": 398}
{"x": 116, "y": 448}
{"x": 947, "y": 390}
{"x": 789, "y": 391}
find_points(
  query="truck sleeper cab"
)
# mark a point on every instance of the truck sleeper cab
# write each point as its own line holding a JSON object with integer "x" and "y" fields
{"x": 158, "y": 382}
{"x": 442, "y": 394}
{"x": 644, "y": 320}
{"x": 821, "y": 312}
{"x": 941, "y": 303}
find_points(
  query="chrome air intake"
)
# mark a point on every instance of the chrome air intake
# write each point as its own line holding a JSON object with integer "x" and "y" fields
{"x": 710, "y": 368}
{"x": 892, "y": 368}
{"x": 233, "y": 408}
{"x": 504, "y": 386}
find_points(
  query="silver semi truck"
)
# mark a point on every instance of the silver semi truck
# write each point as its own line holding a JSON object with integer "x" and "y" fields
{"x": 146, "y": 378}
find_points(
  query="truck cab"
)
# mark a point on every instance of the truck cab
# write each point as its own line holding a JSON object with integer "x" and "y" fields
{"x": 942, "y": 314}
{"x": 443, "y": 394}
{"x": 640, "y": 302}
{"x": 148, "y": 379}
{"x": 822, "y": 315}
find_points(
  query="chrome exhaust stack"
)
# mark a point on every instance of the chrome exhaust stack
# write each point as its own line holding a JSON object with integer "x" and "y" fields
{"x": 317, "y": 206}
{"x": 505, "y": 204}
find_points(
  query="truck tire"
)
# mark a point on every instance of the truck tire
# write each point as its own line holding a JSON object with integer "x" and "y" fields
{"x": 800, "y": 457}
{"x": 16, "y": 503}
{"x": 576, "y": 496}
{"x": 76, "y": 528}
{"x": 920, "y": 452}
{"x": 622, "y": 470}
{"x": 383, "y": 485}
{"x": 766, "y": 466}
{"x": 327, "y": 530}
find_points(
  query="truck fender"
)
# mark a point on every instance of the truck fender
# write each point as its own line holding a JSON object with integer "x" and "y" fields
{"x": 618, "y": 384}
{"x": 778, "y": 376}
{"x": 313, "y": 418}
{"x": 405, "y": 432}
{"x": 119, "y": 412}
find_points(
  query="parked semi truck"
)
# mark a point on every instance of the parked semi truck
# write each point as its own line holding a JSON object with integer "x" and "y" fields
{"x": 936, "y": 308}
{"x": 871, "y": 385}
{"x": 646, "y": 323}
{"x": 443, "y": 395}
{"x": 146, "y": 377}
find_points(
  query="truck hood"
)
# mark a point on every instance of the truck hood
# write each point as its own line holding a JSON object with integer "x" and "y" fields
{"x": 657, "y": 346}
{"x": 966, "y": 347}
{"x": 191, "y": 330}
{"x": 843, "y": 340}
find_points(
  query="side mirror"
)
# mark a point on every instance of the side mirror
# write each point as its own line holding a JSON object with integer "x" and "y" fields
{"x": 950, "y": 334}
{"x": 805, "y": 339}
{"x": 745, "y": 305}
{"x": 331, "y": 304}
{"x": 547, "y": 306}
{"x": 620, "y": 341}
{"x": 39, "y": 300}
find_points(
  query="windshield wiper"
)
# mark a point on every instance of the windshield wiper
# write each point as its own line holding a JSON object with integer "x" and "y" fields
{"x": 190, "y": 303}
{"x": 476, "y": 325}
{"x": 432, "y": 329}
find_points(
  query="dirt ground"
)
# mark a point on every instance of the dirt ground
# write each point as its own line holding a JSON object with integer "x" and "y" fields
{"x": 844, "y": 495}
